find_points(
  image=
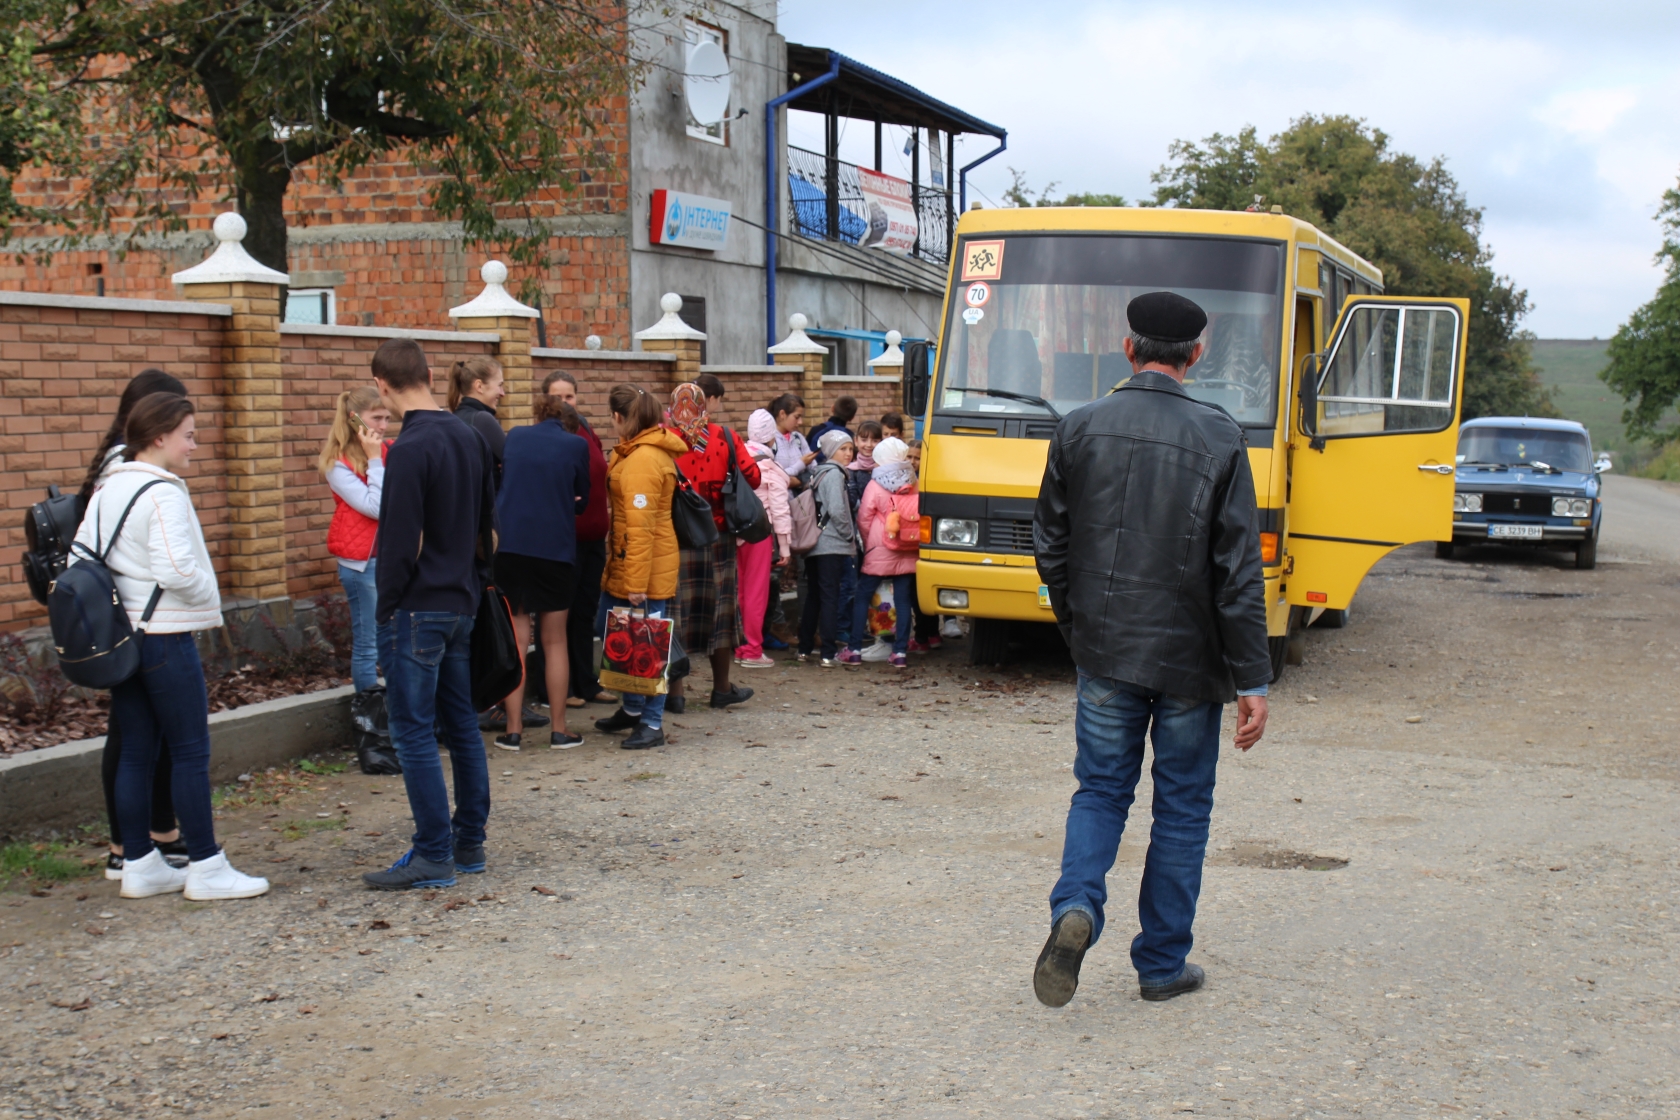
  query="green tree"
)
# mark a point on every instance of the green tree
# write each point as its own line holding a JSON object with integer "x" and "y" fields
{"x": 38, "y": 124}
{"x": 496, "y": 98}
{"x": 1407, "y": 217}
{"x": 1645, "y": 351}
{"x": 1020, "y": 193}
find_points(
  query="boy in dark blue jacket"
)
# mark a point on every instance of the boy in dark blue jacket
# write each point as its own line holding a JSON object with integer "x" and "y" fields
{"x": 437, "y": 507}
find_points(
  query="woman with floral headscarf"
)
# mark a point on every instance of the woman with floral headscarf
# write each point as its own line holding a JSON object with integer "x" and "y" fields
{"x": 708, "y": 611}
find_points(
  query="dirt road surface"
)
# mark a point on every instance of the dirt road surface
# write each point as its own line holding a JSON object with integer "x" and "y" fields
{"x": 1641, "y": 518}
{"x": 828, "y": 903}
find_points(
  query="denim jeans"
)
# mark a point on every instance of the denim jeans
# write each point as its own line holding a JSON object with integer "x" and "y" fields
{"x": 904, "y": 590}
{"x": 428, "y": 683}
{"x": 165, "y": 702}
{"x": 362, "y": 594}
{"x": 650, "y": 710}
{"x": 848, "y": 591}
{"x": 1110, "y": 725}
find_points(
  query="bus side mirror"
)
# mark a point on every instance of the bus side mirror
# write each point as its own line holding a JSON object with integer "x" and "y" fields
{"x": 1309, "y": 400}
{"x": 918, "y": 377}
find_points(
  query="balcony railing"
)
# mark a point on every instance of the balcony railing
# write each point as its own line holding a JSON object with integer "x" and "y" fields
{"x": 808, "y": 206}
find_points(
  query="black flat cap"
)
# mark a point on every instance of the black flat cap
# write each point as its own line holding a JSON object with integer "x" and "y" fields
{"x": 1166, "y": 317}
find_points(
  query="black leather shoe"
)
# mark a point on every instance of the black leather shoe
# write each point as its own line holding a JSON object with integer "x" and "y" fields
{"x": 534, "y": 718}
{"x": 1056, "y": 976}
{"x": 620, "y": 720}
{"x": 676, "y": 704}
{"x": 736, "y": 695}
{"x": 1189, "y": 980}
{"x": 643, "y": 738}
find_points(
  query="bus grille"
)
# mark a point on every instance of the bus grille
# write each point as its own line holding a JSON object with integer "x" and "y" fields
{"x": 1006, "y": 535}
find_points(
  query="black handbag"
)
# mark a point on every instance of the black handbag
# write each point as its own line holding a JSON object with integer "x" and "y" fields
{"x": 375, "y": 753}
{"x": 744, "y": 515}
{"x": 91, "y": 633}
{"x": 691, "y": 516}
{"x": 498, "y": 664}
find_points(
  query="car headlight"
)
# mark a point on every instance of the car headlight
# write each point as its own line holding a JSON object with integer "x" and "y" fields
{"x": 957, "y": 531}
{"x": 1571, "y": 507}
{"x": 1467, "y": 503}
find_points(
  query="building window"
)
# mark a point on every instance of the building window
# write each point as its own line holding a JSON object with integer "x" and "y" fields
{"x": 693, "y": 313}
{"x": 693, "y": 34}
{"x": 311, "y": 305}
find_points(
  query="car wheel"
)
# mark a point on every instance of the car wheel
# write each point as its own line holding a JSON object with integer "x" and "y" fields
{"x": 1279, "y": 649}
{"x": 1586, "y": 554}
{"x": 988, "y": 641}
{"x": 1333, "y": 619}
{"x": 1443, "y": 550}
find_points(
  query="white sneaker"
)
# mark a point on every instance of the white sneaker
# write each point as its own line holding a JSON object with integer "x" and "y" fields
{"x": 879, "y": 651}
{"x": 952, "y": 627}
{"x": 210, "y": 879}
{"x": 149, "y": 875}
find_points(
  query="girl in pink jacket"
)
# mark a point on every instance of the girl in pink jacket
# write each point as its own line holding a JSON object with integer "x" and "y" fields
{"x": 753, "y": 561}
{"x": 889, "y": 522}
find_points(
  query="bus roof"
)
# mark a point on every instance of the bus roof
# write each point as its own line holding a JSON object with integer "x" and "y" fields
{"x": 1165, "y": 219}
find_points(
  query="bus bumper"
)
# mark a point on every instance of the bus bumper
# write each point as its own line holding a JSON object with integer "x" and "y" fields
{"x": 997, "y": 590}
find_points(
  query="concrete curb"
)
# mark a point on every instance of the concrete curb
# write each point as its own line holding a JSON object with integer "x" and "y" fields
{"x": 59, "y": 787}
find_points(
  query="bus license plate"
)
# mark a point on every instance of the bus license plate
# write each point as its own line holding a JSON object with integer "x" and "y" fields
{"x": 1044, "y": 596}
{"x": 1517, "y": 532}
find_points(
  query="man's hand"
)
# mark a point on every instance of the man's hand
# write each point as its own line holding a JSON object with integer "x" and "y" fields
{"x": 1251, "y": 720}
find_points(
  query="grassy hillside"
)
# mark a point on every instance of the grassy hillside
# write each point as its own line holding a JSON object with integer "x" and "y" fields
{"x": 1569, "y": 368}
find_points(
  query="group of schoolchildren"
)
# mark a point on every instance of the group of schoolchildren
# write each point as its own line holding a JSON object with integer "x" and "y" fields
{"x": 859, "y": 492}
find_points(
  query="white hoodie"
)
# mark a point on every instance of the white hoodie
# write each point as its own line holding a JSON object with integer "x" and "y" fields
{"x": 161, "y": 544}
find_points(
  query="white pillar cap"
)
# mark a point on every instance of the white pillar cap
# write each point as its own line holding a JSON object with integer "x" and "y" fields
{"x": 670, "y": 325}
{"x": 892, "y": 357}
{"x": 593, "y": 342}
{"x": 493, "y": 302}
{"x": 797, "y": 341}
{"x": 230, "y": 263}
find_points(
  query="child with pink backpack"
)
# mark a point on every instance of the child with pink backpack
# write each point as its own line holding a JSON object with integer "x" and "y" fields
{"x": 889, "y": 521}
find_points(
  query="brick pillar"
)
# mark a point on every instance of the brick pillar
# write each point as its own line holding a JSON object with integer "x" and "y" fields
{"x": 494, "y": 310}
{"x": 673, "y": 336}
{"x": 798, "y": 349}
{"x": 252, "y": 418}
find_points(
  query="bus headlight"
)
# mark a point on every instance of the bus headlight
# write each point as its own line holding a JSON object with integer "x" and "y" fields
{"x": 953, "y": 600}
{"x": 956, "y": 531}
{"x": 1571, "y": 507}
{"x": 1467, "y": 503}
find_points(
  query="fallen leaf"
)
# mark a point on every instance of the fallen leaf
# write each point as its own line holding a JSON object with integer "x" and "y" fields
{"x": 737, "y": 875}
{"x": 373, "y": 833}
{"x": 269, "y": 998}
{"x": 82, "y": 1006}
{"x": 429, "y": 895}
{"x": 306, "y": 1010}
{"x": 1559, "y": 867}
{"x": 890, "y": 797}
{"x": 562, "y": 956}
{"x": 96, "y": 931}
{"x": 487, "y": 898}
{"x": 219, "y": 1037}
{"x": 380, "y": 924}
{"x": 365, "y": 952}
{"x": 544, "y": 891}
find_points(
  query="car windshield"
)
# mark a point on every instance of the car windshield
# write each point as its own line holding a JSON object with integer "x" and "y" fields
{"x": 1041, "y": 331}
{"x": 1520, "y": 447}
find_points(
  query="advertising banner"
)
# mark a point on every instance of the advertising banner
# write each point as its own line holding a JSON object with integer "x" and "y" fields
{"x": 890, "y": 212}
{"x": 690, "y": 220}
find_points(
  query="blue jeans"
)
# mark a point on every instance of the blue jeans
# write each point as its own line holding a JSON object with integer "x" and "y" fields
{"x": 650, "y": 710}
{"x": 1112, "y": 719}
{"x": 848, "y": 592}
{"x": 362, "y": 594}
{"x": 904, "y": 589}
{"x": 428, "y": 682}
{"x": 164, "y": 702}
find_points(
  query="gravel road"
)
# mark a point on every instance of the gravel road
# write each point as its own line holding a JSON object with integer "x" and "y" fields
{"x": 828, "y": 903}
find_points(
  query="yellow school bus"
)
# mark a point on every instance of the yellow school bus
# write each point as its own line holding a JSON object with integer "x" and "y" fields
{"x": 1349, "y": 398}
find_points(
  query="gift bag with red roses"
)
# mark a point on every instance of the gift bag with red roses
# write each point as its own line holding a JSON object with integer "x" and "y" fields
{"x": 636, "y": 652}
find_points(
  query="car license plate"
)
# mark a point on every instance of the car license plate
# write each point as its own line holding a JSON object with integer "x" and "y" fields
{"x": 1517, "y": 532}
{"x": 1044, "y": 596}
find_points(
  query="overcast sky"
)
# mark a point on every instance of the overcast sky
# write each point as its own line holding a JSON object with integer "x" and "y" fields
{"x": 1561, "y": 120}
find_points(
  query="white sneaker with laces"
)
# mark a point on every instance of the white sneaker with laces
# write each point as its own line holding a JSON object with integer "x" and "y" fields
{"x": 879, "y": 651}
{"x": 952, "y": 627}
{"x": 151, "y": 874}
{"x": 214, "y": 878}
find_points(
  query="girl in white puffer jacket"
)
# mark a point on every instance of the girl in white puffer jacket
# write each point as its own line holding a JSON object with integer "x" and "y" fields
{"x": 160, "y": 553}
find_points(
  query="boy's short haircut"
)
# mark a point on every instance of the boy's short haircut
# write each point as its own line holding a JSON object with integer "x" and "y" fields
{"x": 401, "y": 364}
{"x": 711, "y": 385}
{"x": 845, "y": 409}
{"x": 893, "y": 420}
{"x": 871, "y": 429}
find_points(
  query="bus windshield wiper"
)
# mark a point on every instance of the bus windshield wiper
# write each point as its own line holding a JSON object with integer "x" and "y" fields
{"x": 1026, "y": 398}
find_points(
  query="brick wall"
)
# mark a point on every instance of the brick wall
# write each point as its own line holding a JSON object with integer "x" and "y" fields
{"x": 876, "y": 396}
{"x": 61, "y": 371}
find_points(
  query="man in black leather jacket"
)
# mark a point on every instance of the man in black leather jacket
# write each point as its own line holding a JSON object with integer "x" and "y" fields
{"x": 1146, "y": 537}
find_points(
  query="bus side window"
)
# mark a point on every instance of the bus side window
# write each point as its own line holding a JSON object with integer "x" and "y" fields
{"x": 1392, "y": 371}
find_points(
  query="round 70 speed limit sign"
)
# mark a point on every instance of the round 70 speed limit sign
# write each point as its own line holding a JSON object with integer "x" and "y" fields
{"x": 977, "y": 294}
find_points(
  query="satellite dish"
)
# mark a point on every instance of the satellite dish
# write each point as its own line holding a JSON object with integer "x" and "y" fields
{"x": 706, "y": 83}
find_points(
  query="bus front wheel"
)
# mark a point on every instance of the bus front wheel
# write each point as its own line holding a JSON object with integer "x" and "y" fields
{"x": 988, "y": 641}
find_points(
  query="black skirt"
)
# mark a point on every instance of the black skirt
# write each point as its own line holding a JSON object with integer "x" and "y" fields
{"x": 534, "y": 585}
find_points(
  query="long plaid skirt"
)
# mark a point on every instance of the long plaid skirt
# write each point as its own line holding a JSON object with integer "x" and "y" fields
{"x": 708, "y": 608}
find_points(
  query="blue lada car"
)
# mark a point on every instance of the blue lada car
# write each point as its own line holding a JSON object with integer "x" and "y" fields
{"x": 1523, "y": 480}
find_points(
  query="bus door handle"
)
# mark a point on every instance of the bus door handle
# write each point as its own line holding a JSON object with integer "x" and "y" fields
{"x": 1438, "y": 468}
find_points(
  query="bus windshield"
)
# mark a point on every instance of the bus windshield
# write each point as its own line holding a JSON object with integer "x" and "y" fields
{"x": 1043, "y": 335}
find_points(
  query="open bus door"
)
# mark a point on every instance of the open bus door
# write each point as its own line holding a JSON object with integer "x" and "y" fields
{"x": 1372, "y": 453}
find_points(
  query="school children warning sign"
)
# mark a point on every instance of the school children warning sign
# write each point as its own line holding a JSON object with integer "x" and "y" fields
{"x": 890, "y": 211}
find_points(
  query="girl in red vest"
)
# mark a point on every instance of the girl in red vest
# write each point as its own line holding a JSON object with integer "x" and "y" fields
{"x": 353, "y": 461}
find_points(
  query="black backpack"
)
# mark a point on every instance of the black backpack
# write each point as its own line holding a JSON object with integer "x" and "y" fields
{"x": 49, "y": 528}
{"x": 90, "y": 628}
